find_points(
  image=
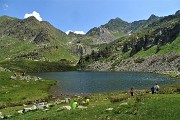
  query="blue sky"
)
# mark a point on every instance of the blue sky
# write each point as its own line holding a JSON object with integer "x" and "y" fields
{"x": 82, "y": 15}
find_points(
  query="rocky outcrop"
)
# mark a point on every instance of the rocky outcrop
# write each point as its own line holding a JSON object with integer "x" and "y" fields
{"x": 159, "y": 37}
{"x": 101, "y": 35}
{"x": 154, "y": 63}
{"x": 80, "y": 50}
{"x": 137, "y": 25}
{"x": 30, "y": 30}
{"x": 100, "y": 66}
{"x": 30, "y": 55}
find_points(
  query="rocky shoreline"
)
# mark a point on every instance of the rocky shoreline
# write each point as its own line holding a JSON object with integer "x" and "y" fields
{"x": 165, "y": 64}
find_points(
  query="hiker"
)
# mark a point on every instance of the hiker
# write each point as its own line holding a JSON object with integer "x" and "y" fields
{"x": 132, "y": 92}
{"x": 156, "y": 88}
{"x": 87, "y": 101}
{"x": 152, "y": 89}
{"x": 74, "y": 104}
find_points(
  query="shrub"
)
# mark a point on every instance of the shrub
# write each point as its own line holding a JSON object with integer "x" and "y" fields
{"x": 170, "y": 59}
{"x": 139, "y": 60}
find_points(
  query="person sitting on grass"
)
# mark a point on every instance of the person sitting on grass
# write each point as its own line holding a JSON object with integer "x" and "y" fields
{"x": 152, "y": 89}
{"x": 74, "y": 104}
{"x": 87, "y": 101}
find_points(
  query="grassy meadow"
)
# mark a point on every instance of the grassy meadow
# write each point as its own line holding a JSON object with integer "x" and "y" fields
{"x": 18, "y": 92}
{"x": 142, "y": 106}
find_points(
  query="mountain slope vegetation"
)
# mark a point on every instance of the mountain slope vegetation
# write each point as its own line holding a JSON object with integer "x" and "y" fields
{"x": 156, "y": 45}
{"x": 30, "y": 39}
{"x": 116, "y": 45}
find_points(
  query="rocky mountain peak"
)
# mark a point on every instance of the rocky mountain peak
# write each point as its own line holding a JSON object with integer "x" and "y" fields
{"x": 116, "y": 24}
{"x": 177, "y": 13}
{"x": 31, "y": 19}
{"x": 152, "y": 17}
{"x": 116, "y": 20}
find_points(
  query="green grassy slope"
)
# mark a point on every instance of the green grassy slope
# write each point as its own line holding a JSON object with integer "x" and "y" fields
{"x": 37, "y": 66}
{"x": 142, "y": 106}
{"x": 173, "y": 46}
{"x": 11, "y": 48}
{"x": 14, "y": 92}
{"x": 22, "y": 55}
{"x": 5, "y": 18}
{"x": 33, "y": 40}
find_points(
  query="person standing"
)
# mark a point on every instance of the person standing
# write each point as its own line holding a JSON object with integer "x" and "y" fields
{"x": 156, "y": 88}
{"x": 132, "y": 92}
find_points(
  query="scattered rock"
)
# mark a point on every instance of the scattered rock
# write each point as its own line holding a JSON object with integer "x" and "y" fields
{"x": 34, "y": 107}
{"x": 109, "y": 109}
{"x": 82, "y": 107}
{"x": 20, "y": 111}
{"x": 13, "y": 78}
{"x": 124, "y": 104}
{"x": 67, "y": 100}
{"x": 41, "y": 106}
{"x": 1, "y": 116}
{"x": 66, "y": 107}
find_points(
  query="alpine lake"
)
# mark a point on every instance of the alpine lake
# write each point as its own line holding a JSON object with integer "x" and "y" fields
{"x": 88, "y": 82}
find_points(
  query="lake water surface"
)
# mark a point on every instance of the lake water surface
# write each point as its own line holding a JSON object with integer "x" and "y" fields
{"x": 80, "y": 82}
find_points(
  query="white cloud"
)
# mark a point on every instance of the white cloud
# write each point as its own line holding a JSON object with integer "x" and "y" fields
{"x": 76, "y": 32}
{"x": 67, "y": 32}
{"x": 5, "y": 6}
{"x": 35, "y": 14}
{"x": 80, "y": 32}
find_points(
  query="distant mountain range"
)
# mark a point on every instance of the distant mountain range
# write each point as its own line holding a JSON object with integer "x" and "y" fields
{"x": 107, "y": 47}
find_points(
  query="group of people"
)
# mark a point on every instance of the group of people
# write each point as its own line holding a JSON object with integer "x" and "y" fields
{"x": 75, "y": 103}
{"x": 154, "y": 90}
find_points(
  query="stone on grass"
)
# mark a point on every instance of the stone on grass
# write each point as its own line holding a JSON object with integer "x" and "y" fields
{"x": 26, "y": 110}
{"x": 60, "y": 101}
{"x": 1, "y": 116}
{"x": 34, "y": 107}
{"x": 20, "y": 111}
{"x": 24, "y": 105}
{"x": 13, "y": 78}
{"x": 82, "y": 107}
{"x": 49, "y": 105}
{"x": 45, "y": 109}
{"x": 64, "y": 108}
{"x": 124, "y": 104}
{"x": 109, "y": 109}
{"x": 67, "y": 107}
{"x": 41, "y": 106}
{"x": 67, "y": 100}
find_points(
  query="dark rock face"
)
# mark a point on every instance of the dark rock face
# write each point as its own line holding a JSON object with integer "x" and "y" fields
{"x": 79, "y": 49}
{"x": 159, "y": 37}
{"x": 177, "y": 13}
{"x": 101, "y": 35}
{"x": 21, "y": 29}
{"x": 43, "y": 36}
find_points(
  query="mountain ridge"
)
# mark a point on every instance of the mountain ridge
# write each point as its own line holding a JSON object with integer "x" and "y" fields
{"x": 158, "y": 36}
{"x": 112, "y": 42}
